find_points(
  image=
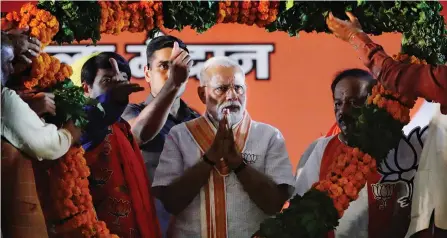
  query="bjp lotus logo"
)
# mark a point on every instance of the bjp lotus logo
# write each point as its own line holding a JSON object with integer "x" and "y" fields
{"x": 100, "y": 178}
{"x": 401, "y": 164}
{"x": 119, "y": 208}
{"x": 382, "y": 193}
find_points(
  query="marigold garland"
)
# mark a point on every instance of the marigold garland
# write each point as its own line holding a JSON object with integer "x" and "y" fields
{"x": 42, "y": 24}
{"x": 46, "y": 71}
{"x": 348, "y": 174}
{"x": 73, "y": 203}
{"x": 117, "y": 16}
{"x": 248, "y": 12}
{"x": 389, "y": 101}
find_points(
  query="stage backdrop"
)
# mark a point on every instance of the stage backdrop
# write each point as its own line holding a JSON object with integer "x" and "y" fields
{"x": 288, "y": 77}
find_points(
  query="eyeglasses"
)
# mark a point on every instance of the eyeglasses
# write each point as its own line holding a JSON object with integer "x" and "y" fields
{"x": 222, "y": 90}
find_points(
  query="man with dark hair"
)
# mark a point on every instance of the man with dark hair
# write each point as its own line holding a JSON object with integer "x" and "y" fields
{"x": 118, "y": 180}
{"x": 429, "y": 210}
{"x": 152, "y": 119}
{"x": 370, "y": 215}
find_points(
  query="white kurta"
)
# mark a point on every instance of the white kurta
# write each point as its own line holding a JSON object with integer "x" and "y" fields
{"x": 265, "y": 151}
{"x": 354, "y": 222}
{"x": 430, "y": 186}
{"x": 27, "y": 132}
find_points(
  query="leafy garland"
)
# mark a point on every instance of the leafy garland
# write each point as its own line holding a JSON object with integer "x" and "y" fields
{"x": 317, "y": 211}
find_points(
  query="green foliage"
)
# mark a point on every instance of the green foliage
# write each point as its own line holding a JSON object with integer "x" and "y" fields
{"x": 70, "y": 102}
{"x": 309, "y": 216}
{"x": 376, "y": 132}
{"x": 200, "y": 15}
{"x": 78, "y": 20}
{"x": 423, "y": 27}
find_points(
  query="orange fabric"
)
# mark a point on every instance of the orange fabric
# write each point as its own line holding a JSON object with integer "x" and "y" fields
{"x": 22, "y": 215}
{"x": 330, "y": 150}
{"x": 120, "y": 187}
{"x": 203, "y": 133}
{"x": 380, "y": 217}
{"x": 335, "y": 130}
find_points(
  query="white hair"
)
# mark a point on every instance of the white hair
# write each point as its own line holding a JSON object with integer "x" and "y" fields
{"x": 222, "y": 61}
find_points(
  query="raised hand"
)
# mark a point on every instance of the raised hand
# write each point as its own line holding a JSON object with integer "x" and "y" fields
{"x": 25, "y": 47}
{"x": 343, "y": 29}
{"x": 121, "y": 88}
{"x": 179, "y": 66}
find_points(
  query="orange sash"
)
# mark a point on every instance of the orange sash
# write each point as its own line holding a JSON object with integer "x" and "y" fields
{"x": 212, "y": 195}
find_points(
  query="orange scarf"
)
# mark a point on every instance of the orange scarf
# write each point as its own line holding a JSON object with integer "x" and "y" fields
{"x": 212, "y": 195}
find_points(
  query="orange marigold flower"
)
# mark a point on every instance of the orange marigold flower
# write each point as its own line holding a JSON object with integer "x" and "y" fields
{"x": 335, "y": 190}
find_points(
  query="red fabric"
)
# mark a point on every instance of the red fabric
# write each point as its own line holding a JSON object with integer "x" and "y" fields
{"x": 379, "y": 217}
{"x": 410, "y": 80}
{"x": 120, "y": 186}
{"x": 335, "y": 130}
{"x": 330, "y": 150}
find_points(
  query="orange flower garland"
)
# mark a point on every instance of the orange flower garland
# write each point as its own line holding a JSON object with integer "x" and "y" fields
{"x": 69, "y": 185}
{"x": 71, "y": 199}
{"x": 248, "y": 12}
{"x": 349, "y": 171}
{"x": 117, "y": 16}
{"x": 46, "y": 71}
{"x": 42, "y": 24}
{"x": 388, "y": 100}
{"x": 408, "y": 59}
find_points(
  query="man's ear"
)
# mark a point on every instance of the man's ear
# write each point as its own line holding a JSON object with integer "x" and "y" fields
{"x": 86, "y": 88}
{"x": 147, "y": 76}
{"x": 201, "y": 93}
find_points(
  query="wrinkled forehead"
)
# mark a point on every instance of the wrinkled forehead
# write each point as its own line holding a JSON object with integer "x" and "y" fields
{"x": 220, "y": 75}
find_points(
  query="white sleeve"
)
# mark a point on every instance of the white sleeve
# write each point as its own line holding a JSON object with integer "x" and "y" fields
{"x": 170, "y": 166}
{"x": 26, "y": 131}
{"x": 277, "y": 162}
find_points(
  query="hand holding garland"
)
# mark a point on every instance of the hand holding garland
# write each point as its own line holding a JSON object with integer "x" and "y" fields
{"x": 410, "y": 80}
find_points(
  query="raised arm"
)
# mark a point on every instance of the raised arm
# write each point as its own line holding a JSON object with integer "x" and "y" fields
{"x": 411, "y": 80}
{"x": 150, "y": 121}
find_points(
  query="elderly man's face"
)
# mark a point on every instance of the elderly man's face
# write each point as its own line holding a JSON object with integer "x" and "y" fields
{"x": 349, "y": 93}
{"x": 225, "y": 89}
{"x": 7, "y": 55}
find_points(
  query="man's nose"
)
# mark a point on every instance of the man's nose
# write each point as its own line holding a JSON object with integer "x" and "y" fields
{"x": 345, "y": 108}
{"x": 231, "y": 94}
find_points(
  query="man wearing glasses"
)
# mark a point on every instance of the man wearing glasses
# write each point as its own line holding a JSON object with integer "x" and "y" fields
{"x": 222, "y": 174}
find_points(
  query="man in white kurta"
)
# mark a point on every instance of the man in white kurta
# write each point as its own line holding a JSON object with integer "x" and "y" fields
{"x": 253, "y": 189}
{"x": 384, "y": 201}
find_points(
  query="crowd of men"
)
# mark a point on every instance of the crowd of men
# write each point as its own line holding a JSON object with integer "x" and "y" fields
{"x": 222, "y": 173}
